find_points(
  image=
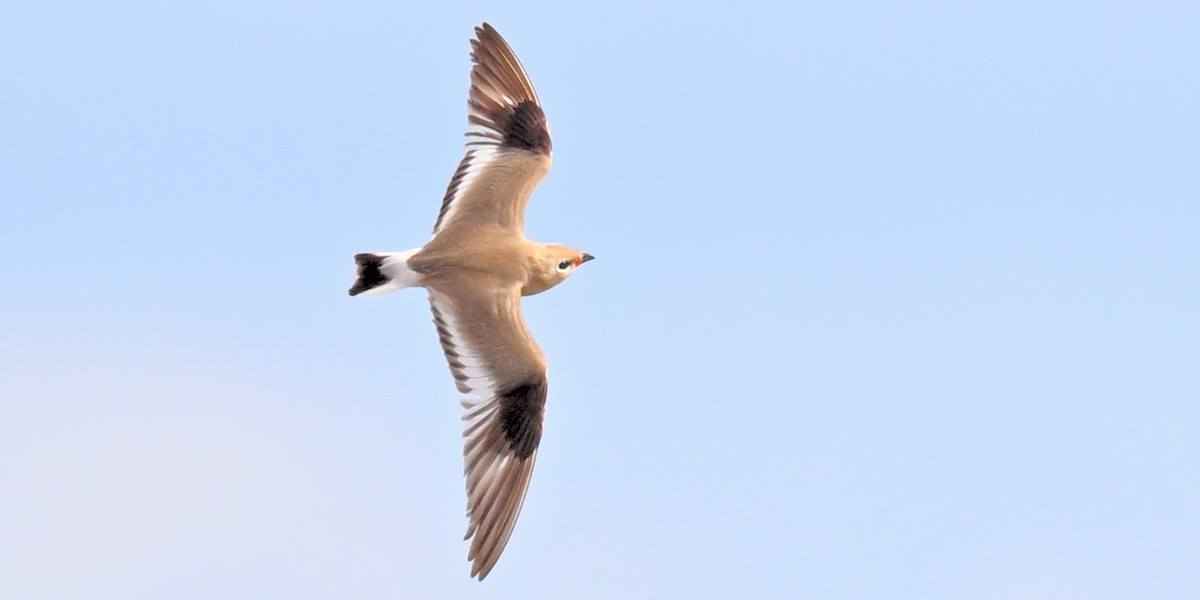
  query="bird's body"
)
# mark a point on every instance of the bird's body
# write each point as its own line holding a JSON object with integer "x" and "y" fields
{"x": 476, "y": 268}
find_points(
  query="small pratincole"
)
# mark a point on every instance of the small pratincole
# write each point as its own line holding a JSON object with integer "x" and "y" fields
{"x": 476, "y": 267}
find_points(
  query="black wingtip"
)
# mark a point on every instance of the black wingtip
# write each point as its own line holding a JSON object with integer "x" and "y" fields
{"x": 502, "y": 98}
{"x": 526, "y": 129}
{"x": 521, "y": 412}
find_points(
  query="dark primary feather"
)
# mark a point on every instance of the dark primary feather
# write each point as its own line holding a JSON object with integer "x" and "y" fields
{"x": 521, "y": 416}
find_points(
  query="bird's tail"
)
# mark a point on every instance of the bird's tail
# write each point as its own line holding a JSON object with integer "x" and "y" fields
{"x": 383, "y": 272}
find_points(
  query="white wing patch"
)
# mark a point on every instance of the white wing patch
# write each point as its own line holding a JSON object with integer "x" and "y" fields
{"x": 479, "y": 156}
{"x": 469, "y": 367}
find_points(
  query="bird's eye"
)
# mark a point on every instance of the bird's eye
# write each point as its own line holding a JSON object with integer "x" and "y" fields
{"x": 564, "y": 265}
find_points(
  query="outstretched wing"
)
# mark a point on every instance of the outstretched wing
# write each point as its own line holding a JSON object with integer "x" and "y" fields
{"x": 508, "y": 144}
{"x": 500, "y": 368}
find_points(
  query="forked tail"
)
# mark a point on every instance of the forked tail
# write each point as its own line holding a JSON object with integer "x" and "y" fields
{"x": 382, "y": 272}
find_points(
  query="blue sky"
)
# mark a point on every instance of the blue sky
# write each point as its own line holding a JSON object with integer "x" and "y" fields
{"x": 889, "y": 301}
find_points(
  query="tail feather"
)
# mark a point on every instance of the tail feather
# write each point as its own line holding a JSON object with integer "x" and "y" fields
{"x": 382, "y": 272}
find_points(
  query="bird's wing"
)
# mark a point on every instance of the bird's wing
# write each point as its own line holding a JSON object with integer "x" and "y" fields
{"x": 508, "y": 144}
{"x": 496, "y": 362}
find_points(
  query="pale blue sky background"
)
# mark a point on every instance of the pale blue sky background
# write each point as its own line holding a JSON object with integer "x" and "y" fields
{"x": 890, "y": 301}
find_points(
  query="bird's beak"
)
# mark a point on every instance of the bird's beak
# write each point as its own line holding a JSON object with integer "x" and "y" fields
{"x": 586, "y": 257}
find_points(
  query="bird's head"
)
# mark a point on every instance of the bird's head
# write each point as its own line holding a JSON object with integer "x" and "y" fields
{"x": 552, "y": 264}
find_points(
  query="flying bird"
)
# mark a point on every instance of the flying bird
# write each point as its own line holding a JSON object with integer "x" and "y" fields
{"x": 476, "y": 268}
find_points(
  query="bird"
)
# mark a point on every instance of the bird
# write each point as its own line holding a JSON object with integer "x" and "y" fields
{"x": 476, "y": 268}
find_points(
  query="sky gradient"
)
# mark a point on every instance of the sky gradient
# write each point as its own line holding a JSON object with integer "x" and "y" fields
{"x": 889, "y": 301}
